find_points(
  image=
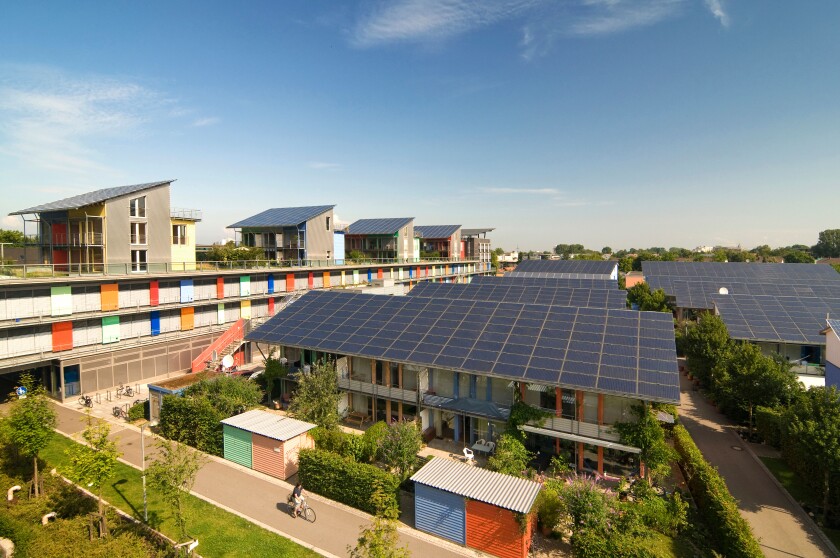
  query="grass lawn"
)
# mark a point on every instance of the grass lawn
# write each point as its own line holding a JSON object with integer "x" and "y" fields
{"x": 219, "y": 532}
{"x": 797, "y": 488}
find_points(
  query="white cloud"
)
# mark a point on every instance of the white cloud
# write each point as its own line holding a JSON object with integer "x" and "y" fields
{"x": 209, "y": 121}
{"x": 719, "y": 11}
{"x": 604, "y": 17}
{"x": 321, "y": 165}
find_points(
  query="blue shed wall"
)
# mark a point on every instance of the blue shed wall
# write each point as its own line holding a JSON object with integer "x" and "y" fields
{"x": 440, "y": 513}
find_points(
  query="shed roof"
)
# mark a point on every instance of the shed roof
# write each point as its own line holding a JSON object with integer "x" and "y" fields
{"x": 90, "y": 198}
{"x": 379, "y": 226}
{"x": 269, "y": 425}
{"x": 435, "y": 231}
{"x": 479, "y": 484}
{"x": 282, "y": 216}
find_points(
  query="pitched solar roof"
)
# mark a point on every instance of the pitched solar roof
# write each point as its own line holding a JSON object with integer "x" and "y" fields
{"x": 784, "y": 319}
{"x": 698, "y": 294}
{"x": 90, "y": 198}
{"x": 435, "y": 231}
{"x": 587, "y": 267}
{"x": 623, "y": 352}
{"x": 835, "y": 325}
{"x": 379, "y": 226}
{"x": 547, "y": 275}
{"x": 552, "y": 296}
{"x": 761, "y": 272}
{"x": 282, "y": 216}
{"x": 577, "y": 282}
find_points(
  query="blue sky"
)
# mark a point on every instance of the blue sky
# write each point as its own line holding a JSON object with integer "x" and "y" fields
{"x": 601, "y": 122}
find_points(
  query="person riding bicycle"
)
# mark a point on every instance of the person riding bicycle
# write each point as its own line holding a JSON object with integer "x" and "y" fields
{"x": 297, "y": 497}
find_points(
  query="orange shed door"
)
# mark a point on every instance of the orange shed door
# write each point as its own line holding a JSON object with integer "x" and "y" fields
{"x": 267, "y": 456}
{"x": 494, "y": 530}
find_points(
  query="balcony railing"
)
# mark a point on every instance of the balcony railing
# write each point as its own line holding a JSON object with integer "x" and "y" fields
{"x": 73, "y": 239}
{"x": 599, "y": 431}
{"x": 375, "y": 390}
{"x": 138, "y": 239}
{"x": 186, "y": 214}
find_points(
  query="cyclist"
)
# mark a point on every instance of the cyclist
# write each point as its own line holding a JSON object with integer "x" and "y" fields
{"x": 297, "y": 497}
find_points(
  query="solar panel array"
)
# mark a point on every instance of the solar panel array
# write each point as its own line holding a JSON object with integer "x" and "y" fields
{"x": 282, "y": 216}
{"x": 379, "y": 226}
{"x": 586, "y": 267}
{"x": 574, "y": 283}
{"x": 758, "y": 272}
{"x": 784, "y": 319}
{"x": 548, "y": 275}
{"x": 98, "y": 196}
{"x": 552, "y": 296}
{"x": 623, "y": 352}
{"x": 435, "y": 231}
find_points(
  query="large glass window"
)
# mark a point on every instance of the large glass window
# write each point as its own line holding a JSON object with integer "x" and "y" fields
{"x": 395, "y": 374}
{"x": 138, "y": 260}
{"x": 569, "y": 405}
{"x": 617, "y": 409}
{"x": 548, "y": 399}
{"x": 179, "y": 234}
{"x": 138, "y": 233}
{"x": 620, "y": 463}
{"x": 590, "y": 407}
{"x": 138, "y": 207}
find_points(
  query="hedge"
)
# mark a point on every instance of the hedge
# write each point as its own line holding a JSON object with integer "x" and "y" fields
{"x": 731, "y": 533}
{"x": 342, "y": 479}
{"x": 768, "y": 424}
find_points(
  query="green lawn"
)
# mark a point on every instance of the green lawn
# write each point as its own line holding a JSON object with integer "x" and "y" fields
{"x": 219, "y": 533}
{"x": 797, "y": 488}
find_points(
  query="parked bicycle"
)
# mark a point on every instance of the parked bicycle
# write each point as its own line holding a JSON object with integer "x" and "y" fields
{"x": 119, "y": 412}
{"x": 305, "y": 511}
{"x": 127, "y": 391}
{"x": 86, "y": 401}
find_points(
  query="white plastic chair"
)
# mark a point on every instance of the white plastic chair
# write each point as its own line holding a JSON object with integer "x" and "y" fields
{"x": 491, "y": 446}
{"x": 481, "y": 442}
{"x": 469, "y": 456}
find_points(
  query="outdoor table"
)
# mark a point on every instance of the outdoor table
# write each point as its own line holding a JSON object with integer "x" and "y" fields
{"x": 484, "y": 448}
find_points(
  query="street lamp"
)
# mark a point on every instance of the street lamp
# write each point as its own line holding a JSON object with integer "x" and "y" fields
{"x": 143, "y": 465}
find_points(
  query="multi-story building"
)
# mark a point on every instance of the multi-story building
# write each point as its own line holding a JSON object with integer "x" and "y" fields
{"x": 445, "y": 240}
{"x": 476, "y": 244}
{"x": 125, "y": 228}
{"x": 293, "y": 233}
{"x": 387, "y": 240}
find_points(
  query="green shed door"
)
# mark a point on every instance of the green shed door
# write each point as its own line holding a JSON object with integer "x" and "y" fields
{"x": 237, "y": 445}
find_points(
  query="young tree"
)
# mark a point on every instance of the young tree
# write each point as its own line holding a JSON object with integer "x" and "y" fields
{"x": 706, "y": 343}
{"x": 94, "y": 463}
{"x": 510, "y": 457}
{"x": 828, "y": 245}
{"x": 646, "y": 433}
{"x": 381, "y": 539}
{"x": 400, "y": 445}
{"x": 31, "y": 422}
{"x": 317, "y": 396}
{"x": 642, "y": 296}
{"x": 798, "y": 256}
{"x": 274, "y": 371}
{"x": 172, "y": 473}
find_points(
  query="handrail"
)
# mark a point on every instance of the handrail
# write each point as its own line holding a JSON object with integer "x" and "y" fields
{"x": 234, "y": 333}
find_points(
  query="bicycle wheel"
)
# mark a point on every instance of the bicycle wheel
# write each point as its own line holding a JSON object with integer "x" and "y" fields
{"x": 309, "y": 514}
{"x": 82, "y": 401}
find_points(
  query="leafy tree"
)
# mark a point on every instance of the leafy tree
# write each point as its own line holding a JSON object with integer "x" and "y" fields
{"x": 625, "y": 264}
{"x": 644, "y": 256}
{"x": 655, "y": 301}
{"x": 230, "y": 252}
{"x": 274, "y": 371}
{"x": 815, "y": 423}
{"x": 646, "y": 433}
{"x": 797, "y": 256}
{"x": 11, "y": 237}
{"x": 720, "y": 256}
{"x": 606, "y": 250}
{"x": 510, "y": 457}
{"x": 381, "y": 538}
{"x": 400, "y": 445}
{"x": 706, "y": 343}
{"x": 95, "y": 463}
{"x": 317, "y": 396}
{"x": 355, "y": 255}
{"x": 192, "y": 420}
{"x": 828, "y": 245}
{"x": 30, "y": 423}
{"x": 172, "y": 472}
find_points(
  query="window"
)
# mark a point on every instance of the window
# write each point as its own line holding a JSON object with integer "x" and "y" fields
{"x": 328, "y": 222}
{"x": 138, "y": 233}
{"x": 138, "y": 260}
{"x": 179, "y": 234}
{"x": 138, "y": 207}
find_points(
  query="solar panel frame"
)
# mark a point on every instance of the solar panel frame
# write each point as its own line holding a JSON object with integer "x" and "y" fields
{"x": 785, "y": 319}
{"x": 524, "y": 294}
{"x": 282, "y": 217}
{"x": 379, "y": 226}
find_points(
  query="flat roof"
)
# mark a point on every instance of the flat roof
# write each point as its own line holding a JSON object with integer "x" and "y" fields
{"x": 282, "y": 216}
{"x": 504, "y": 491}
{"x": 90, "y": 198}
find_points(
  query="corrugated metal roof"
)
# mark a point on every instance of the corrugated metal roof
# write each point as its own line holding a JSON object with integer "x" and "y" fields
{"x": 269, "y": 425}
{"x": 282, "y": 216}
{"x": 379, "y": 226}
{"x": 479, "y": 484}
{"x": 435, "y": 231}
{"x": 90, "y": 198}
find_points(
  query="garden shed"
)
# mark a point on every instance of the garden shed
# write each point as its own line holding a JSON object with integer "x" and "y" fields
{"x": 266, "y": 442}
{"x": 475, "y": 507}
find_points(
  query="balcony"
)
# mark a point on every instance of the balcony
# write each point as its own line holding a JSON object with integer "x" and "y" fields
{"x": 375, "y": 390}
{"x": 589, "y": 430}
{"x": 74, "y": 239}
{"x": 185, "y": 214}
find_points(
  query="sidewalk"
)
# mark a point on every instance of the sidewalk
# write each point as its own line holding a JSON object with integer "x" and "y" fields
{"x": 262, "y": 499}
{"x": 783, "y": 529}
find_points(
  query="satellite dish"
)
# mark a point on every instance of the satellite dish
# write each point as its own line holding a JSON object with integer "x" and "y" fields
{"x": 723, "y": 290}
{"x": 227, "y": 362}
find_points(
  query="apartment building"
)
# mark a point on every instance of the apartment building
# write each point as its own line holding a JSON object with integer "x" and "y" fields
{"x": 476, "y": 244}
{"x": 292, "y": 233}
{"x": 444, "y": 240}
{"x": 383, "y": 239}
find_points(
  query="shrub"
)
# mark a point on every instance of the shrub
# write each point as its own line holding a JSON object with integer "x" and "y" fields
{"x": 768, "y": 423}
{"x": 731, "y": 534}
{"x": 549, "y": 507}
{"x": 346, "y": 481}
{"x": 192, "y": 421}
{"x": 138, "y": 411}
{"x": 370, "y": 447}
{"x": 510, "y": 457}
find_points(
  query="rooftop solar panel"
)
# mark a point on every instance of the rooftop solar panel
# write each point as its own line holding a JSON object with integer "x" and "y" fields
{"x": 379, "y": 226}
{"x": 435, "y": 231}
{"x": 89, "y": 198}
{"x": 586, "y": 267}
{"x": 553, "y": 345}
{"x": 758, "y": 272}
{"x": 282, "y": 217}
{"x": 571, "y": 283}
{"x": 552, "y": 296}
{"x": 783, "y": 319}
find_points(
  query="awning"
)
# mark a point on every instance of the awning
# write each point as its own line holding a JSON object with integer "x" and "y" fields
{"x": 467, "y": 406}
{"x": 577, "y": 438}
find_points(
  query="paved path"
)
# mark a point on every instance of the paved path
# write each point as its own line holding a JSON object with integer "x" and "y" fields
{"x": 783, "y": 529}
{"x": 262, "y": 500}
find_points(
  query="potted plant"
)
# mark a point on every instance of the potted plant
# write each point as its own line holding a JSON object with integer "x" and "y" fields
{"x": 549, "y": 509}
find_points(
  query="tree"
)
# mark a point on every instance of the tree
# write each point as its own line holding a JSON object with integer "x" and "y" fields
{"x": 94, "y": 463}
{"x": 797, "y": 256}
{"x": 274, "y": 371}
{"x": 230, "y": 395}
{"x": 606, "y": 250}
{"x": 706, "y": 343}
{"x": 510, "y": 457}
{"x": 646, "y": 433}
{"x": 31, "y": 423}
{"x": 317, "y": 396}
{"x": 641, "y": 295}
{"x": 11, "y": 237}
{"x": 230, "y": 252}
{"x": 625, "y": 264}
{"x": 381, "y": 538}
{"x": 815, "y": 423}
{"x": 828, "y": 245}
{"x": 172, "y": 473}
{"x": 400, "y": 445}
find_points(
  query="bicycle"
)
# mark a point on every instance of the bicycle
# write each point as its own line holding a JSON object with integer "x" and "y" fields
{"x": 86, "y": 401}
{"x": 305, "y": 511}
{"x": 119, "y": 412}
{"x": 127, "y": 391}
